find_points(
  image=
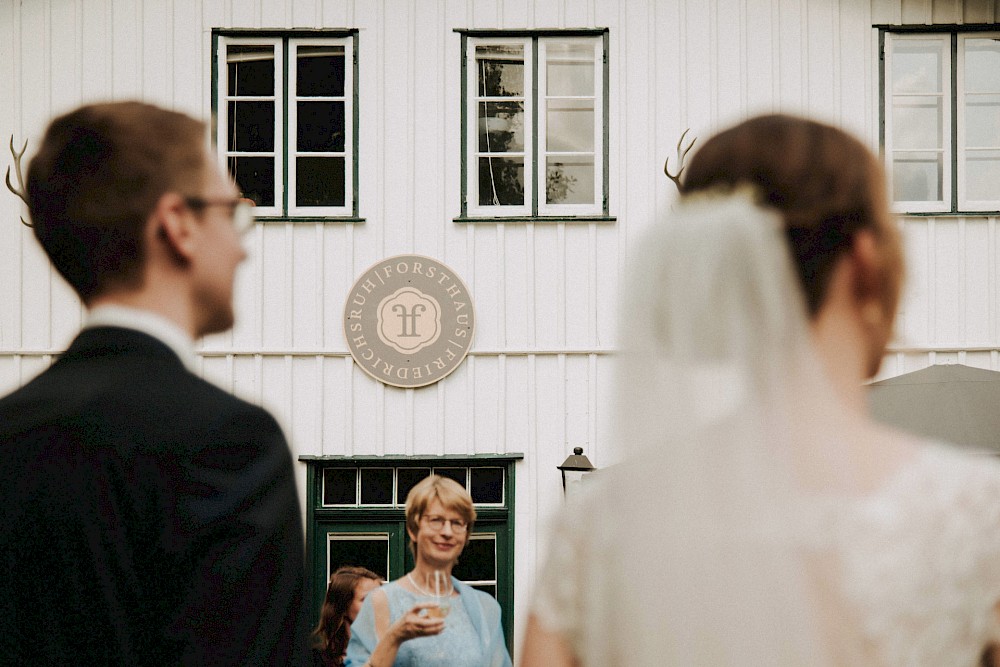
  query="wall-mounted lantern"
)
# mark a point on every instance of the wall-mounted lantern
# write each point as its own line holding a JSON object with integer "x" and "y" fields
{"x": 573, "y": 469}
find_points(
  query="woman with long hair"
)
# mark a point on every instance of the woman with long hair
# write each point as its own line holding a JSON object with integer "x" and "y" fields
{"x": 346, "y": 591}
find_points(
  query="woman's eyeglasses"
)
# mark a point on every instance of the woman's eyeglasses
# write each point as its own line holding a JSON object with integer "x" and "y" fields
{"x": 240, "y": 210}
{"x": 437, "y": 523}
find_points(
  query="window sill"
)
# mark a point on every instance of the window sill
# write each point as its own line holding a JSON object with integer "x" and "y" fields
{"x": 948, "y": 214}
{"x": 538, "y": 219}
{"x": 270, "y": 219}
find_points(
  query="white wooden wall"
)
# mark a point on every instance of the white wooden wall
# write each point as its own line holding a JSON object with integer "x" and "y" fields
{"x": 536, "y": 381}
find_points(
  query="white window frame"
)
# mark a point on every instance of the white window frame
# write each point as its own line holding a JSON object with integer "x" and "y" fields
{"x": 224, "y": 98}
{"x": 934, "y": 206}
{"x": 472, "y": 127}
{"x": 965, "y": 204}
{"x": 534, "y": 132}
{"x": 285, "y": 98}
{"x": 572, "y": 209}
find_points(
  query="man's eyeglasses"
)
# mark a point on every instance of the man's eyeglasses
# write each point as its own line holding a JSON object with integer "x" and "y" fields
{"x": 240, "y": 210}
{"x": 437, "y": 523}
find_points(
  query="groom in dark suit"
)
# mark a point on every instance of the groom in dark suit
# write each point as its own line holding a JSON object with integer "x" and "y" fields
{"x": 146, "y": 516}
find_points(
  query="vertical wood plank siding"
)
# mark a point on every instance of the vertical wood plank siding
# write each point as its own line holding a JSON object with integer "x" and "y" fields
{"x": 537, "y": 379}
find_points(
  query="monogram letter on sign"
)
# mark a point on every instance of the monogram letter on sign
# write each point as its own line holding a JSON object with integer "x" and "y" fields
{"x": 409, "y": 321}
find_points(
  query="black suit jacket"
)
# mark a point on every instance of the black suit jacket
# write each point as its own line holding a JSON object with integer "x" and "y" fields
{"x": 146, "y": 517}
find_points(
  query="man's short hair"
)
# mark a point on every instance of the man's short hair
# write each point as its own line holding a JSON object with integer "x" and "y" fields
{"x": 98, "y": 176}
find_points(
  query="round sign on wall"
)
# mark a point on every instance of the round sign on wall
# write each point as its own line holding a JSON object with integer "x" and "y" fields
{"x": 409, "y": 321}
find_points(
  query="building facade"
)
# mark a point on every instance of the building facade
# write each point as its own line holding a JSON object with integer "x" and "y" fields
{"x": 518, "y": 145}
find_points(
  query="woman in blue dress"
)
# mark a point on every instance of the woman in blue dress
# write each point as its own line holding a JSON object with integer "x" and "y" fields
{"x": 403, "y": 623}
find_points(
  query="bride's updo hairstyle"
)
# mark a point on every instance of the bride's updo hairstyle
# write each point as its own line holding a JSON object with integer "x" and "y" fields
{"x": 826, "y": 185}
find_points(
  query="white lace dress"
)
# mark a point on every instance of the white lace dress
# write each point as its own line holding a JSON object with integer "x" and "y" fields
{"x": 919, "y": 568}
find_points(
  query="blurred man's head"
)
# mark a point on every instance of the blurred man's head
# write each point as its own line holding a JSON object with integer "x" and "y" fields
{"x": 125, "y": 193}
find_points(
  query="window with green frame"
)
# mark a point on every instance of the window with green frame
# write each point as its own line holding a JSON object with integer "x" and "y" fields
{"x": 941, "y": 118}
{"x": 356, "y": 516}
{"x": 535, "y": 125}
{"x": 286, "y": 120}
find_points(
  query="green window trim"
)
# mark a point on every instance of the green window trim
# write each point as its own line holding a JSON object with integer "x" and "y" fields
{"x": 285, "y": 41}
{"x": 531, "y": 210}
{"x": 387, "y": 523}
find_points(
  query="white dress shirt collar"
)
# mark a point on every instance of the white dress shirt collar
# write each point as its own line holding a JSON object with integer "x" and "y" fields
{"x": 147, "y": 322}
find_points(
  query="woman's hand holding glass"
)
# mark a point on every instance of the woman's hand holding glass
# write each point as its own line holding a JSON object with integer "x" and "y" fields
{"x": 418, "y": 622}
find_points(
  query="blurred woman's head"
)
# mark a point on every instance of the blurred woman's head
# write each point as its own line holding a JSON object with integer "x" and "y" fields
{"x": 345, "y": 593}
{"x": 442, "y": 500}
{"x": 827, "y": 186}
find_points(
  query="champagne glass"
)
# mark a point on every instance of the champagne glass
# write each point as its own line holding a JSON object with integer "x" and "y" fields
{"x": 439, "y": 586}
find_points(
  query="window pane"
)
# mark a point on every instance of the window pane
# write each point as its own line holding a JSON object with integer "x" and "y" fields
{"x": 479, "y": 560}
{"x": 320, "y": 71}
{"x": 982, "y": 66}
{"x": 255, "y": 178}
{"x": 500, "y": 70}
{"x": 457, "y": 474}
{"x": 501, "y": 181}
{"x": 320, "y": 126}
{"x": 490, "y": 589}
{"x": 569, "y": 69}
{"x": 251, "y": 126}
{"x": 569, "y": 180}
{"x": 982, "y": 175}
{"x": 569, "y": 125}
{"x": 916, "y": 65}
{"x": 917, "y": 177}
{"x": 319, "y": 181}
{"x": 358, "y": 550}
{"x": 406, "y": 479}
{"x": 917, "y": 122}
{"x": 340, "y": 486}
{"x": 982, "y": 121}
{"x": 376, "y": 486}
{"x": 251, "y": 70}
{"x": 501, "y": 126}
{"x": 486, "y": 485}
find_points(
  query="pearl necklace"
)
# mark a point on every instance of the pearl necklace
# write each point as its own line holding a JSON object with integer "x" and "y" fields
{"x": 413, "y": 582}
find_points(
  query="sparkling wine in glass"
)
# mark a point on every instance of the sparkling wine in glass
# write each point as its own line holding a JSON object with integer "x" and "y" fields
{"x": 440, "y": 590}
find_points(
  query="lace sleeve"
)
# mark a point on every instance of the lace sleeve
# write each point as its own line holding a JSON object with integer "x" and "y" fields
{"x": 558, "y": 602}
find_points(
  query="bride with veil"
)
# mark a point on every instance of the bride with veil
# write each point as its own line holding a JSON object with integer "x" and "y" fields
{"x": 760, "y": 517}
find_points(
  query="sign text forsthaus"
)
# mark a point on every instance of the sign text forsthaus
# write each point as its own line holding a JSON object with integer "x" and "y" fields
{"x": 409, "y": 321}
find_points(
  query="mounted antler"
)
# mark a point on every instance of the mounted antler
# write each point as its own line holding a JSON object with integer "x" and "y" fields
{"x": 21, "y": 194}
{"x": 681, "y": 154}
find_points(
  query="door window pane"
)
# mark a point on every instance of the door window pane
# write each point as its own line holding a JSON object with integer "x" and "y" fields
{"x": 916, "y": 65}
{"x": 478, "y": 563}
{"x": 500, "y": 69}
{"x": 250, "y": 70}
{"x": 982, "y": 175}
{"x": 319, "y": 181}
{"x": 368, "y": 550}
{"x": 917, "y": 177}
{"x": 319, "y": 71}
{"x": 486, "y": 485}
{"x": 501, "y": 181}
{"x": 320, "y": 127}
{"x": 255, "y": 178}
{"x": 457, "y": 474}
{"x": 376, "y": 486}
{"x": 982, "y": 65}
{"x": 251, "y": 126}
{"x": 406, "y": 479}
{"x": 917, "y": 123}
{"x": 340, "y": 486}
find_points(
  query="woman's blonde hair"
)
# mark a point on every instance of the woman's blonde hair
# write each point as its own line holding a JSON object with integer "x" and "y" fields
{"x": 451, "y": 495}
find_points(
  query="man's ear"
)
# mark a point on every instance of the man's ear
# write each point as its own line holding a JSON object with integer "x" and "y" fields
{"x": 172, "y": 226}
